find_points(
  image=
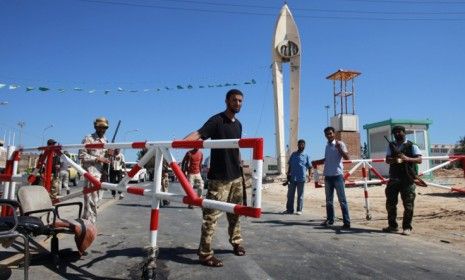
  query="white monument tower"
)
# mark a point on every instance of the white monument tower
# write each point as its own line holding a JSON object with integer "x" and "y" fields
{"x": 286, "y": 48}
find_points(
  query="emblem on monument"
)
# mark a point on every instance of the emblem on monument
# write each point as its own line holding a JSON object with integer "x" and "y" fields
{"x": 287, "y": 49}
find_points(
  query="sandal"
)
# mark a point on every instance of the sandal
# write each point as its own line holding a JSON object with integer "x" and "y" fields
{"x": 212, "y": 262}
{"x": 238, "y": 250}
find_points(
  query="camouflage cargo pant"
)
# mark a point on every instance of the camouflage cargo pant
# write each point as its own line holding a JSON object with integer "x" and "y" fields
{"x": 197, "y": 182}
{"x": 407, "y": 193}
{"x": 165, "y": 181}
{"x": 56, "y": 187}
{"x": 226, "y": 191}
{"x": 91, "y": 199}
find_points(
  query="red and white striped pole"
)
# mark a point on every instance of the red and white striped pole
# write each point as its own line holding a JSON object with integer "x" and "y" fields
{"x": 365, "y": 190}
{"x": 15, "y": 158}
{"x": 9, "y": 186}
{"x": 154, "y": 214}
{"x": 8, "y": 172}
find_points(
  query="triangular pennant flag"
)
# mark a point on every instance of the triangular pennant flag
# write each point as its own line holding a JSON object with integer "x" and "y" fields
{"x": 30, "y": 88}
{"x": 2, "y": 85}
{"x": 201, "y": 86}
{"x": 179, "y": 87}
{"x": 146, "y": 90}
{"x": 106, "y": 92}
{"x": 120, "y": 89}
{"x": 167, "y": 88}
{"x": 190, "y": 87}
{"x": 247, "y": 83}
{"x": 61, "y": 90}
{"x": 134, "y": 90}
{"x": 253, "y": 81}
{"x": 92, "y": 91}
{"x": 77, "y": 89}
{"x": 13, "y": 86}
{"x": 43, "y": 88}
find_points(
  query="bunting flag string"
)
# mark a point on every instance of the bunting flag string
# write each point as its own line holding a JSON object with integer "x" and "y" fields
{"x": 119, "y": 90}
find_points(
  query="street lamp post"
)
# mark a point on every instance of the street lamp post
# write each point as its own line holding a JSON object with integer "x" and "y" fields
{"x": 43, "y": 133}
{"x": 327, "y": 114}
{"x": 21, "y": 124}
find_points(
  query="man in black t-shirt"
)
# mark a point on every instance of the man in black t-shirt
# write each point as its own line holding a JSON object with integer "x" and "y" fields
{"x": 224, "y": 175}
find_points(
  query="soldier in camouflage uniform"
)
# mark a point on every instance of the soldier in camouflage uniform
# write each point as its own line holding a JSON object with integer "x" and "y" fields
{"x": 93, "y": 161}
{"x": 401, "y": 180}
{"x": 224, "y": 175}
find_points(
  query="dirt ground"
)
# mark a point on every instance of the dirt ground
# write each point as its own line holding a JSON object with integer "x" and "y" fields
{"x": 439, "y": 215}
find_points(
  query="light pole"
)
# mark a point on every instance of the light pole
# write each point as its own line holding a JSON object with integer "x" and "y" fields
{"x": 129, "y": 131}
{"x": 327, "y": 114}
{"x": 43, "y": 133}
{"x": 21, "y": 124}
{"x": 125, "y": 136}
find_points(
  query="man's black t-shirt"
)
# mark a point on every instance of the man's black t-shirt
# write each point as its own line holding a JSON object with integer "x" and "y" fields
{"x": 224, "y": 163}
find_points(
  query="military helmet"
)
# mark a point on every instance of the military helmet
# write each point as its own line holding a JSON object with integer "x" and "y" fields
{"x": 101, "y": 122}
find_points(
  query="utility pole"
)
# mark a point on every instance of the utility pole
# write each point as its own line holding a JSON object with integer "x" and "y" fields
{"x": 43, "y": 133}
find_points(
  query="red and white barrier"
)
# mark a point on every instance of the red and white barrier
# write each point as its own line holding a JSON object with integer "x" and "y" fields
{"x": 364, "y": 163}
{"x": 9, "y": 185}
{"x": 160, "y": 150}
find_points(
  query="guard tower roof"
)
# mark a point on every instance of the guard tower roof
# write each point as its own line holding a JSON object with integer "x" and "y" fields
{"x": 344, "y": 75}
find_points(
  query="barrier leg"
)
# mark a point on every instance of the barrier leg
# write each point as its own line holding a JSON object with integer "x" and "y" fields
{"x": 15, "y": 158}
{"x": 365, "y": 191}
{"x": 149, "y": 268}
{"x": 7, "y": 185}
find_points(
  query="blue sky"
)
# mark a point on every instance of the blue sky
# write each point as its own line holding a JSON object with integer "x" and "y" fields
{"x": 408, "y": 51}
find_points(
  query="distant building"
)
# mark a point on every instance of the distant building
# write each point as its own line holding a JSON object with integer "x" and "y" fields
{"x": 442, "y": 150}
{"x": 417, "y": 131}
{"x": 270, "y": 166}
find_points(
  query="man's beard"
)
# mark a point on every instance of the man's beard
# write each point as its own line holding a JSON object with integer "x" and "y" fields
{"x": 234, "y": 110}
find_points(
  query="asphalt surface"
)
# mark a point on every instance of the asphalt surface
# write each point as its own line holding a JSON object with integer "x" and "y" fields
{"x": 278, "y": 247}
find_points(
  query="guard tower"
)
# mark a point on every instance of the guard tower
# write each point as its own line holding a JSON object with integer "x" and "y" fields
{"x": 345, "y": 121}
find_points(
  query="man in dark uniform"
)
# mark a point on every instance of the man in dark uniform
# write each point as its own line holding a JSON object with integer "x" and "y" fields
{"x": 224, "y": 175}
{"x": 401, "y": 155}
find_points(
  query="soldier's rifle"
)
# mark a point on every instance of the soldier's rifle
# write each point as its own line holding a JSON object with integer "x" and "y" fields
{"x": 110, "y": 154}
{"x": 397, "y": 154}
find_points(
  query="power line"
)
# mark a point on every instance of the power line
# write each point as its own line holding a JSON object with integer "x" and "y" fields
{"x": 408, "y": 2}
{"x": 116, "y": 3}
{"x": 317, "y": 10}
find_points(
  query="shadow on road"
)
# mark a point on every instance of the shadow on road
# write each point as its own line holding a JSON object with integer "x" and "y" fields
{"x": 285, "y": 223}
{"x": 184, "y": 255}
{"x": 447, "y": 194}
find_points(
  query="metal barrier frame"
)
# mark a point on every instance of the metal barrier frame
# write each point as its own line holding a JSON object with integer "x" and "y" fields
{"x": 366, "y": 164}
{"x": 159, "y": 150}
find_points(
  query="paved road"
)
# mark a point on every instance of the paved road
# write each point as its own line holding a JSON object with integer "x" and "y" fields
{"x": 278, "y": 247}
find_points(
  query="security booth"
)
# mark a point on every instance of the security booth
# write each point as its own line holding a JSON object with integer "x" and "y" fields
{"x": 417, "y": 131}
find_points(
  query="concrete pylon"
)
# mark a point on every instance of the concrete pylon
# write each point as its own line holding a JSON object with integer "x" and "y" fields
{"x": 286, "y": 48}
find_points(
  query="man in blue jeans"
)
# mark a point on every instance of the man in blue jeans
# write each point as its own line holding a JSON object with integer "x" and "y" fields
{"x": 298, "y": 164}
{"x": 334, "y": 180}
